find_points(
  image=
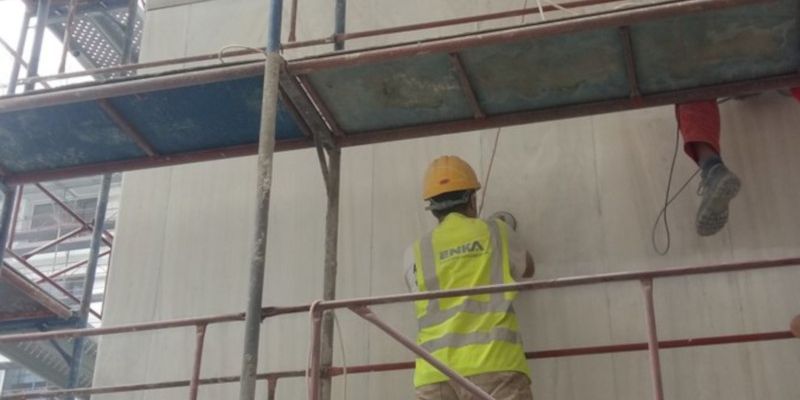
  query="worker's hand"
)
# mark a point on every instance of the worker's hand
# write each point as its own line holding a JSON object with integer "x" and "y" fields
{"x": 506, "y": 217}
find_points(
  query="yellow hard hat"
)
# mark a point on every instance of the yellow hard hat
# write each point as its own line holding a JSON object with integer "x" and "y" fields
{"x": 448, "y": 174}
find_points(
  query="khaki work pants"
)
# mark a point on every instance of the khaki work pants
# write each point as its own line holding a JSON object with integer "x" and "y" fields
{"x": 500, "y": 385}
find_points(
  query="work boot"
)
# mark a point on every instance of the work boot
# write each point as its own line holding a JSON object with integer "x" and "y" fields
{"x": 718, "y": 187}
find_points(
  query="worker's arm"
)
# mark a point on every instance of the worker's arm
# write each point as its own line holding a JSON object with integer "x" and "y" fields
{"x": 410, "y": 270}
{"x": 522, "y": 265}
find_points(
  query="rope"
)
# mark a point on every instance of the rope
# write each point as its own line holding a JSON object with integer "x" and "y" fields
{"x": 489, "y": 172}
{"x": 221, "y": 52}
{"x": 668, "y": 200}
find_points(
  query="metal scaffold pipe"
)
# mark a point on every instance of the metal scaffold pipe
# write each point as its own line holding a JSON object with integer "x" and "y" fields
{"x": 5, "y": 218}
{"x": 73, "y": 6}
{"x": 332, "y": 182}
{"x": 42, "y": 12}
{"x": 130, "y": 32}
{"x": 88, "y": 282}
{"x": 332, "y": 186}
{"x": 266, "y": 149}
{"x": 18, "y": 61}
{"x": 340, "y": 24}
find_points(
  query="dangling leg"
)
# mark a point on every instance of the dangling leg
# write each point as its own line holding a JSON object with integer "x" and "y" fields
{"x": 699, "y": 124}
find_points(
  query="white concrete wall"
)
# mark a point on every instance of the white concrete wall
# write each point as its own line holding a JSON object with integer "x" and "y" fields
{"x": 585, "y": 191}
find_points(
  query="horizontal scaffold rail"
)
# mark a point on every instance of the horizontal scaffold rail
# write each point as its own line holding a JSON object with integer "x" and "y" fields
{"x": 318, "y": 307}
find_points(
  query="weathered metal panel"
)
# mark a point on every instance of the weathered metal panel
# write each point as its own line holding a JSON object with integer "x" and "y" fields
{"x": 208, "y": 116}
{"x": 717, "y": 47}
{"x": 572, "y": 69}
{"x": 215, "y": 115}
{"x": 392, "y": 94}
{"x": 545, "y": 75}
{"x": 61, "y": 136}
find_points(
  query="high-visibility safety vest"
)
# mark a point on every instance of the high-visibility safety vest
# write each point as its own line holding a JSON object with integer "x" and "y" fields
{"x": 470, "y": 334}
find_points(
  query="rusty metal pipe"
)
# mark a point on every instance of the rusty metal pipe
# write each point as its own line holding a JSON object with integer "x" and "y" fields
{"x": 115, "y": 330}
{"x": 198, "y": 360}
{"x": 652, "y": 339}
{"x": 560, "y": 282}
{"x": 54, "y": 242}
{"x": 399, "y": 366}
{"x": 368, "y": 315}
{"x": 146, "y": 386}
{"x": 73, "y": 5}
{"x": 12, "y": 233}
{"x": 315, "y": 375}
{"x": 74, "y": 266}
{"x": 442, "y": 23}
{"x": 69, "y": 211}
{"x": 578, "y": 24}
{"x": 272, "y": 387}
{"x": 269, "y": 312}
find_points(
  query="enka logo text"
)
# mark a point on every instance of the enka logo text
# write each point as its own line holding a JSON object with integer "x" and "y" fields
{"x": 464, "y": 249}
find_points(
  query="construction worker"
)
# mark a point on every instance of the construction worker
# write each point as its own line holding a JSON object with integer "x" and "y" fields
{"x": 476, "y": 336}
{"x": 699, "y": 124}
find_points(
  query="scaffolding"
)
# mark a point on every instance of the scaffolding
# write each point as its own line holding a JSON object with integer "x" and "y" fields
{"x": 361, "y": 307}
{"x": 297, "y": 111}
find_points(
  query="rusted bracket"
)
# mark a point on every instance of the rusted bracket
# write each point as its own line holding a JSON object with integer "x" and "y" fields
{"x": 299, "y": 103}
{"x": 630, "y": 63}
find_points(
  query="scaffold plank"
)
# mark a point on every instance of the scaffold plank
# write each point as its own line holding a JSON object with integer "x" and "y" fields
{"x": 669, "y": 52}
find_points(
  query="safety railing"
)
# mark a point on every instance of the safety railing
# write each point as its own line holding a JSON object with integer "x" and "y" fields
{"x": 360, "y": 306}
{"x": 543, "y": 10}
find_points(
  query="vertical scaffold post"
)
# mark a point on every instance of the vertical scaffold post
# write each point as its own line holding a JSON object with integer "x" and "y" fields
{"x": 23, "y": 36}
{"x": 341, "y": 23}
{"x": 332, "y": 183}
{"x": 652, "y": 336}
{"x": 62, "y": 64}
{"x": 42, "y": 12}
{"x": 5, "y": 218}
{"x": 130, "y": 32}
{"x": 332, "y": 170}
{"x": 266, "y": 148}
{"x": 200, "y": 341}
{"x": 88, "y": 281}
{"x": 15, "y": 216}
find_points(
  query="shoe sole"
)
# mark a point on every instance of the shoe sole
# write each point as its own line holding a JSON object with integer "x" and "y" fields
{"x": 713, "y": 214}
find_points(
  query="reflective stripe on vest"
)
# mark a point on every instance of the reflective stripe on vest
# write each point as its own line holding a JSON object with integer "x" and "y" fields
{"x": 497, "y": 303}
{"x": 459, "y": 340}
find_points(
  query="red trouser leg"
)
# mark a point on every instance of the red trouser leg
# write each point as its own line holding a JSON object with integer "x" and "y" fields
{"x": 796, "y": 93}
{"x": 699, "y": 123}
